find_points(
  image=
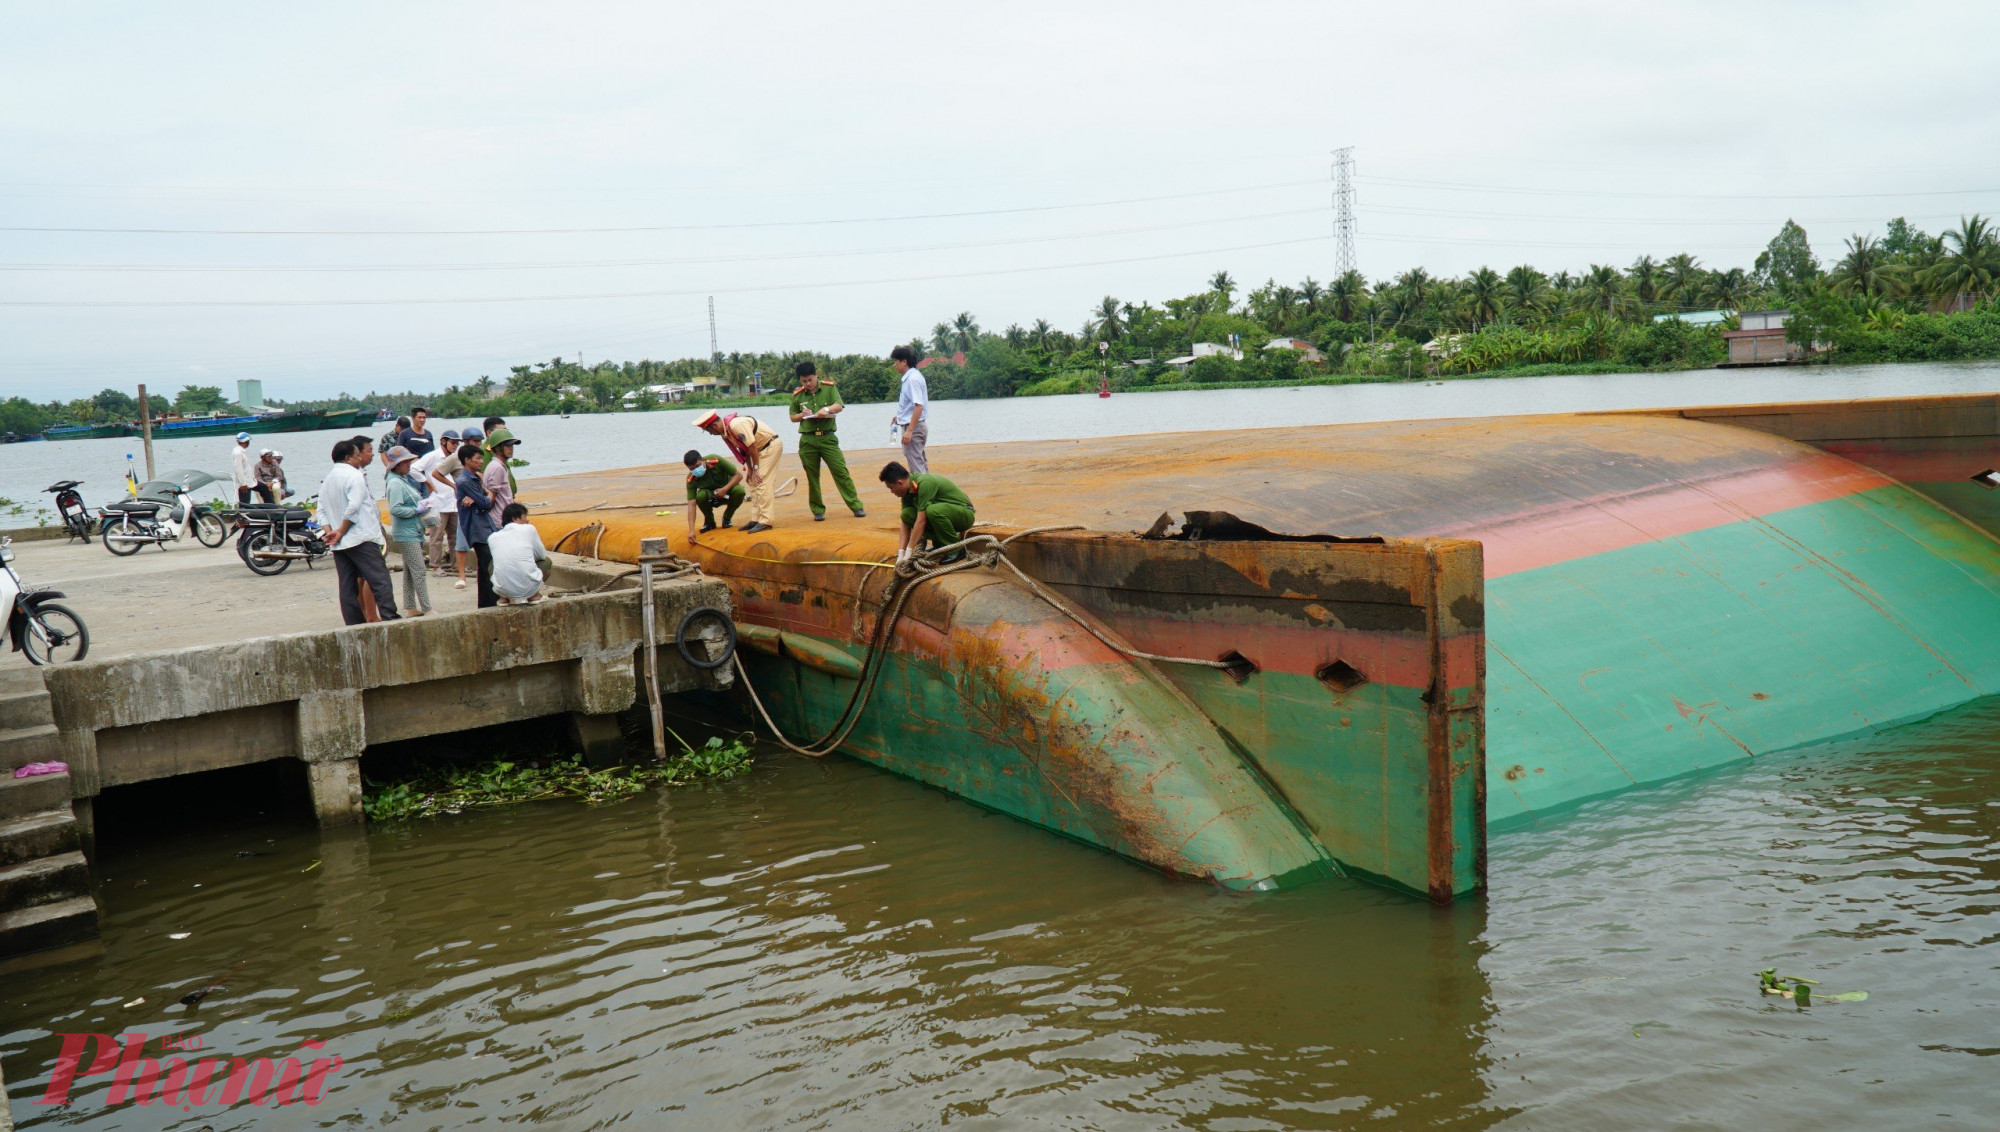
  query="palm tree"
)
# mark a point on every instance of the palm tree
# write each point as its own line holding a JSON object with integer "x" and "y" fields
{"x": 964, "y": 330}
{"x": 1223, "y": 285}
{"x": 1015, "y": 336}
{"x": 1310, "y": 291}
{"x": 1865, "y": 270}
{"x": 1040, "y": 332}
{"x": 1105, "y": 321}
{"x": 1527, "y": 289}
{"x": 1601, "y": 285}
{"x": 1413, "y": 287}
{"x": 941, "y": 337}
{"x": 1347, "y": 295}
{"x": 1645, "y": 275}
{"x": 1970, "y": 263}
{"x": 1483, "y": 296}
{"x": 1680, "y": 277}
{"x": 1282, "y": 300}
{"x": 1730, "y": 289}
{"x": 485, "y": 385}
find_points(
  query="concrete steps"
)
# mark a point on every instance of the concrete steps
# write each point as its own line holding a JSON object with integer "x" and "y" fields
{"x": 41, "y": 926}
{"x": 20, "y": 746}
{"x": 45, "y": 898}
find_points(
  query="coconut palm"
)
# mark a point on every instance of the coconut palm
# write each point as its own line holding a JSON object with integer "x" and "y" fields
{"x": 964, "y": 330}
{"x": 1413, "y": 287}
{"x": 941, "y": 337}
{"x": 1865, "y": 270}
{"x": 1646, "y": 278}
{"x": 1283, "y": 299}
{"x": 1601, "y": 286}
{"x": 1106, "y": 321}
{"x": 1223, "y": 285}
{"x": 1680, "y": 278}
{"x": 1040, "y": 332}
{"x": 1483, "y": 296}
{"x": 1347, "y": 295}
{"x": 1729, "y": 290}
{"x": 1015, "y": 337}
{"x": 1971, "y": 261}
{"x": 1527, "y": 289}
{"x": 1310, "y": 292}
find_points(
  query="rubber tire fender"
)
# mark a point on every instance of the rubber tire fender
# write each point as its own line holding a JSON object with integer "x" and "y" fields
{"x": 729, "y": 636}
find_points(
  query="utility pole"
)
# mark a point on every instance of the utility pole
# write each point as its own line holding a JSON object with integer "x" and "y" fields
{"x": 1343, "y": 210}
{"x": 714, "y": 351}
{"x": 146, "y": 429}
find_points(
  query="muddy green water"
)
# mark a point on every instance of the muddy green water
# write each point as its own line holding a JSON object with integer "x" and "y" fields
{"x": 820, "y": 945}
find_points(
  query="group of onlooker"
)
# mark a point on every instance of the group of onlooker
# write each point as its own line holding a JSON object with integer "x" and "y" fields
{"x": 455, "y": 490}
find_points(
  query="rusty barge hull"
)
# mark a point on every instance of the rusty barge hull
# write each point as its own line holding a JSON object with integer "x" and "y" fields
{"x": 1558, "y": 608}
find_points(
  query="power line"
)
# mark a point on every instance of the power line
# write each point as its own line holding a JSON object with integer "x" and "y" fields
{"x": 1574, "y": 218}
{"x": 189, "y": 303}
{"x": 530, "y": 265}
{"x": 1408, "y": 238}
{"x": 1456, "y": 186}
{"x": 658, "y": 227}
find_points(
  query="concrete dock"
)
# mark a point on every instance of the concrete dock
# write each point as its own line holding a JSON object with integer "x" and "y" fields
{"x": 197, "y": 664}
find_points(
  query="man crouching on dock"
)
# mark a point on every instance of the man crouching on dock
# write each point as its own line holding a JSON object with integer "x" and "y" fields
{"x": 935, "y": 512}
{"x": 712, "y": 480}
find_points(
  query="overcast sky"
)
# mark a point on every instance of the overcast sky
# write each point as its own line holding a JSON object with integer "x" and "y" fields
{"x": 793, "y": 160}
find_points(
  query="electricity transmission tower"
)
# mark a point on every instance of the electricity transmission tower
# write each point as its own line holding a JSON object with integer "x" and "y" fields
{"x": 714, "y": 352}
{"x": 1343, "y": 209}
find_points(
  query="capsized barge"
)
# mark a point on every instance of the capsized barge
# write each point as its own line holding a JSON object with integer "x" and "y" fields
{"x": 1439, "y": 624}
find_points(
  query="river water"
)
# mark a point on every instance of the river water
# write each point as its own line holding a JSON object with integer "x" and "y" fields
{"x": 820, "y": 945}
{"x": 592, "y": 442}
{"x": 823, "y": 946}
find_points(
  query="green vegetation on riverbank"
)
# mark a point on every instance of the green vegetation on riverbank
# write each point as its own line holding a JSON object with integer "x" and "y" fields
{"x": 430, "y": 791}
{"x": 1906, "y": 296}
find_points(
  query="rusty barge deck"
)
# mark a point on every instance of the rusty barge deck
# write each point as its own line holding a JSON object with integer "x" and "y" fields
{"x": 1559, "y": 608}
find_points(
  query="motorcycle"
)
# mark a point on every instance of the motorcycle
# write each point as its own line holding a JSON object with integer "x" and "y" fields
{"x": 70, "y": 508}
{"x": 39, "y": 628}
{"x": 132, "y": 523}
{"x": 270, "y": 539}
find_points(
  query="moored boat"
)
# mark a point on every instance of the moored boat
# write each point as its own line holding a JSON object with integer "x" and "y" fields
{"x": 86, "y": 431}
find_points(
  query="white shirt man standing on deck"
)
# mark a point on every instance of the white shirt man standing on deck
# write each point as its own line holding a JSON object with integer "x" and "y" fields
{"x": 913, "y": 406}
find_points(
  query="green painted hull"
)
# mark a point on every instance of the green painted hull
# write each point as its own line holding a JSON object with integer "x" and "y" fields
{"x": 92, "y": 432}
{"x": 1646, "y": 598}
{"x": 1795, "y": 627}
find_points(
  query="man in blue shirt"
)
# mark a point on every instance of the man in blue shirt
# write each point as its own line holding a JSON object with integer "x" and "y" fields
{"x": 913, "y": 402}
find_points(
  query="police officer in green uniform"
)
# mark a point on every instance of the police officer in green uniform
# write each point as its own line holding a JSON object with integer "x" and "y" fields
{"x": 935, "y": 512}
{"x": 712, "y": 478}
{"x": 814, "y": 405}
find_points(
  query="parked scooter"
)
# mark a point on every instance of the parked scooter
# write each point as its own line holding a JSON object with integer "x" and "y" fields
{"x": 70, "y": 508}
{"x": 38, "y": 627}
{"x": 133, "y": 523}
{"x": 270, "y": 539}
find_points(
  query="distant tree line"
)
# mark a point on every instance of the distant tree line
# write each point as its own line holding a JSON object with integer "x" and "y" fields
{"x": 1906, "y": 296}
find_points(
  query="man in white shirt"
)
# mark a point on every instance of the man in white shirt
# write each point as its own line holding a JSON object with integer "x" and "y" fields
{"x": 518, "y": 557}
{"x": 243, "y": 467}
{"x": 354, "y": 529}
{"x": 913, "y": 404}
